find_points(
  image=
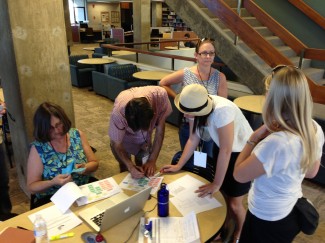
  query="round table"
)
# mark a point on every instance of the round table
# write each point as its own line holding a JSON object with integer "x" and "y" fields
{"x": 150, "y": 75}
{"x": 96, "y": 61}
{"x": 209, "y": 222}
{"x": 251, "y": 103}
{"x": 89, "y": 48}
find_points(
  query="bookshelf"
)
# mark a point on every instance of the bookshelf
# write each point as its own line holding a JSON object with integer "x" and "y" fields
{"x": 170, "y": 19}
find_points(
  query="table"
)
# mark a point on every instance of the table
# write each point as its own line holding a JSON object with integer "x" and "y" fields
{"x": 210, "y": 222}
{"x": 89, "y": 48}
{"x": 97, "y": 62}
{"x": 251, "y": 103}
{"x": 150, "y": 75}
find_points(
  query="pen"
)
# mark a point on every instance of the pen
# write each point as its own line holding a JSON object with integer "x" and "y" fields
{"x": 62, "y": 236}
{"x": 138, "y": 169}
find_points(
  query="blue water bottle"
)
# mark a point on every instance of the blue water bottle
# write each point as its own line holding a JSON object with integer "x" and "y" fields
{"x": 163, "y": 201}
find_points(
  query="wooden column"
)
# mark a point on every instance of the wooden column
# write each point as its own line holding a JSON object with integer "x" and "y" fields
{"x": 34, "y": 67}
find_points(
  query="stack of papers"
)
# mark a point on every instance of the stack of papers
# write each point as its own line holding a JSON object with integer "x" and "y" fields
{"x": 170, "y": 229}
{"x": 186, "y": 200}
{"x": 132, "y": 184}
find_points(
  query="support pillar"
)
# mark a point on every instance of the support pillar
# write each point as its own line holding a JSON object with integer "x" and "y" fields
{"x": 34, "y": 67}
{"x": 141, "y": 22}
{"x": 156, "y": 14}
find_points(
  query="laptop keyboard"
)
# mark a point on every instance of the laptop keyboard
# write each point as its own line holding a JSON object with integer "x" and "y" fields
{"x": 98, "y": 219}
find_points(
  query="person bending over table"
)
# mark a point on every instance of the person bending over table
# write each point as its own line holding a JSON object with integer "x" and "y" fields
{"x": 281, "y": 153}
{"x": 203, "y": 74}
{"x": 56, "y": 145}
{"x": 136, "y": 113}
{"x": 222, "y": 121}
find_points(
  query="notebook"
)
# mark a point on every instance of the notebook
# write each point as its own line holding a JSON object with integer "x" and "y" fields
{"x": 114, "y": 210}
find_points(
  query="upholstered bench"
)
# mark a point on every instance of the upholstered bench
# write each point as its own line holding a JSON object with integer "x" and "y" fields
{"x": 80, "y": 73}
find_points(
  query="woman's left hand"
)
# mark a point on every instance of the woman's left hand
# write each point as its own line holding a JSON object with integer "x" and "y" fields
{"x": 207, "y": 190}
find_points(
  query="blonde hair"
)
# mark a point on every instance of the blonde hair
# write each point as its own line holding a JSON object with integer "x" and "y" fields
{"x": 288, "y": 107}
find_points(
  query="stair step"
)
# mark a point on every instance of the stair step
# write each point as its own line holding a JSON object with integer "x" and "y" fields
{"x": 286, "y": 51}
{"x": 264, "y": 31}
{"x": 321, "y": 82}
{"x": 274, "y": 40}
{"x": 252, "y": 21}
{"x": 314, "y": 73}
{"x": 295, "y": 61}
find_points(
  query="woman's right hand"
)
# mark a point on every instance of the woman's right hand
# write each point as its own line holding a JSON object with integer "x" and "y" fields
{"x": 62, "y": 179}
{"x": 170, "y": 168}
{"x": 259, "y": 134}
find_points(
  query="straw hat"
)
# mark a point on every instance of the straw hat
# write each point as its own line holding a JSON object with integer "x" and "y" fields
{"x": 194, "y": 100}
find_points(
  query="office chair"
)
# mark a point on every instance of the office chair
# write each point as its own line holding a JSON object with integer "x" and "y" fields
{"x": 7, "y": 138}
{"x": 89, "y": 35}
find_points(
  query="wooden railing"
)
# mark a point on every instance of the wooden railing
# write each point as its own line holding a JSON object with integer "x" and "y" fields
{"x": 309, "y": 12}
{"x": 262, "y": 47}
{"x": 120, "y": 46}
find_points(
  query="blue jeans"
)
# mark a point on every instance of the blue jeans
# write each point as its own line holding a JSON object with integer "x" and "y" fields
{"x": 184, "y": 134}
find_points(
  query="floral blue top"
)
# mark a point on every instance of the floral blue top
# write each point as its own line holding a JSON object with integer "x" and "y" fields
{"x": 54, "y": 161}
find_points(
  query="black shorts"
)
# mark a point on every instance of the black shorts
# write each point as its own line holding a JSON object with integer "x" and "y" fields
{"x": 230, "y": 186}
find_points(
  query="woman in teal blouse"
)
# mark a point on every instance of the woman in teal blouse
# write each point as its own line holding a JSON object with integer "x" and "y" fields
{"x": 58, "y": 151}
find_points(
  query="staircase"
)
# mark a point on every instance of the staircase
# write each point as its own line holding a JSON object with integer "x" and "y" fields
{"x": 244, "y": 62}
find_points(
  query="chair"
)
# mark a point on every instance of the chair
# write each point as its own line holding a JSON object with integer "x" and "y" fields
{"x": 90, "y": 35}
{"x": 80, "y": 73}
{"x": 7, "y": 138}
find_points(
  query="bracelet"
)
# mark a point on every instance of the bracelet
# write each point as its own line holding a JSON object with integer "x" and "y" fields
{"x": 251, "y": 143}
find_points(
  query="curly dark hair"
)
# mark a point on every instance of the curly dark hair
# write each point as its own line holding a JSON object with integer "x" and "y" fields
{"x": 138, "y": 114}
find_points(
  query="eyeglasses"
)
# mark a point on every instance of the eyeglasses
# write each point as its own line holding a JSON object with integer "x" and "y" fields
{"x": 56, "y": 126}
{"x": 279, "y": 67}
{"x": 205, "y": 54}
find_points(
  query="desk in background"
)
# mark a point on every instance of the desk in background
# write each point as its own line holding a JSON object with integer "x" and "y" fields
{"x": 210, "y": 222}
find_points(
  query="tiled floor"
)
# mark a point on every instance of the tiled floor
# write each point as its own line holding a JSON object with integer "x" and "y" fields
{"x": 92, "y": 114}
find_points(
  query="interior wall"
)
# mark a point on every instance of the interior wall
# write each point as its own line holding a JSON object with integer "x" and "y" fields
{"x": 94, "y": 14}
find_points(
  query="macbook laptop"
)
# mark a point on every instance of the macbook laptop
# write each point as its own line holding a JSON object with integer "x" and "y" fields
{"x": 114, "y": 210}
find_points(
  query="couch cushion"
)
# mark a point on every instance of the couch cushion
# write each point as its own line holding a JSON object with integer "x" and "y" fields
{"x": 123, "y": 71}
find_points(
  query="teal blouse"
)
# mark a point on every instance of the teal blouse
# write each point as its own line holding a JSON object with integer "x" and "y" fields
{"x": 54, "y": 162}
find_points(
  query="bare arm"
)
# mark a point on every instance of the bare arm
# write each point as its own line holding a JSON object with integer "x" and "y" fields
{"x": 226, "y": 138}
{"x": 35, "y": 182}
{"x": 223, "y": 87}
{"x": 248, "y": 166}
{"x": 122, "y": 157}
{"x": 169, "y": 80}
{"x": 92, "y": 163}
{"x": 189, "y": 149}
{"x": 150, "y": 166}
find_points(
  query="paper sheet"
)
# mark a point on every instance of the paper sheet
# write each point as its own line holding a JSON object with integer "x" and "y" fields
{"x": 57, "y": 222}
{"x": 139, "y": 184}
{"x": 186, "y": 200}
{"x": 91, "y": 192}
{"x": 171, "y": 229}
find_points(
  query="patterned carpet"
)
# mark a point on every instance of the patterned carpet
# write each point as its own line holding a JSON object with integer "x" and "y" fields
{"x": 92, "y": 114}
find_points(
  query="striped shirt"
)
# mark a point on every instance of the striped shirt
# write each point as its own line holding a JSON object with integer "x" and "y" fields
{"x": 119, "y": 130}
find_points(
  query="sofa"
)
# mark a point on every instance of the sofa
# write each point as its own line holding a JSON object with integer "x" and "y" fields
{"x": 80, "y": 73}
{"x": 119, "y": 78}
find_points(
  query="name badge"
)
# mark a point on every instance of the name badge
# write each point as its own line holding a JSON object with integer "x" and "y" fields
{"x": 200, "y": 159}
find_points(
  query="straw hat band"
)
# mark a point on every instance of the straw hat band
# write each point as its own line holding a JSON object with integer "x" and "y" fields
{"x": 196, "y": 109}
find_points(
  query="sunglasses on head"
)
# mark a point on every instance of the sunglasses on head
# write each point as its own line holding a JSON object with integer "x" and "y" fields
{"x": 279, "y": 67}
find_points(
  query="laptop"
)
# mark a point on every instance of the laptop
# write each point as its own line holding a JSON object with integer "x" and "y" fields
{"x": 114, "y": 210}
